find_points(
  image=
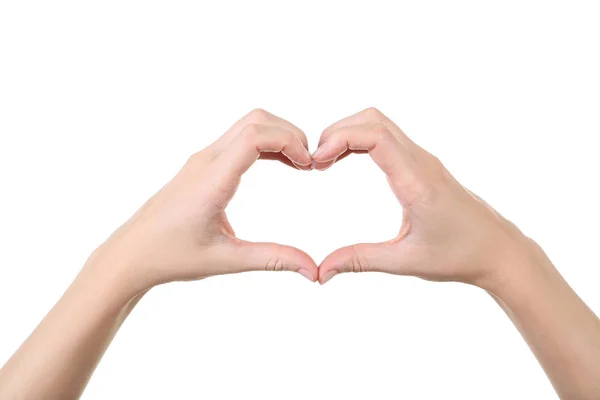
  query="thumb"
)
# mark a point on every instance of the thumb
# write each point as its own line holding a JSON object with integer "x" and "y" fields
{"x": 249, "y": 256}
{"x": 364, "y": 257}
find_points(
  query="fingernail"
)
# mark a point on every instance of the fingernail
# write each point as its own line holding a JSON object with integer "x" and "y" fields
{"x": 304, "y": 164}
{"x": 328, "y": 276}
{"x": 301, "y": 167}
{"x": 306, "y": 274}
{"x": 307, "y": 155}
{"x": 320, "y": 150}
{"x": 322, "y": 166}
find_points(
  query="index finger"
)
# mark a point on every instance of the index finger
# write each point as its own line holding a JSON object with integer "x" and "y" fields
{"x": 369, "y": 115}
{"x": 255, "y": 140}
{"x": 258, "y": 116}
{"x": 394, "y": 158}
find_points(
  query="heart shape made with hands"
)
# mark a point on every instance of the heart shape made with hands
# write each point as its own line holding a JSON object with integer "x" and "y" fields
{"x": 447, "y": 233}
{"x": 358, "y": 134}
{"x": 413, "y": 174}
{"x": 314, "y": 165}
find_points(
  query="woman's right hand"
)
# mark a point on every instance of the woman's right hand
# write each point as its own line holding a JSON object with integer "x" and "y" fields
{"x": 182, "y": 232}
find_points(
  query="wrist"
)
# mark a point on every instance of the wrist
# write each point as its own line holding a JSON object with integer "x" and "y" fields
{"x": 112, "y": 277}
{"x": 518, "y": 272}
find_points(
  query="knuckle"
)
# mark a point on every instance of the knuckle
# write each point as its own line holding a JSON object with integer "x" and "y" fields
{"x": 274, "y": 264}
{"x": 250, "y": 131}
{"x": 373, "y": 113}
{"x": 192, "y": 159}
{"x": 440, "y": 170}
{"x": 436, "y": 162}
{"x": 303, "y": 139}
{"x": 382, "y": 132}
{"x": 333, "y": 136}
{"x": 290, "y": 137}
{"x": 358, "y": 264}
{"x": 258, "y": 115}
{"x": 196, "y": 158}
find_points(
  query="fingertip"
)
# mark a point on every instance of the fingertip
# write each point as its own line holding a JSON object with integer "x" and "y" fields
{"x": 303, "y": 159}
{"x": 322, "y": 166}
{"x": 304, "y": 263}
{"x": 306, "y": 157}
{"x": 318, "y": 154}
{"x": 329, "y": 267}
{"x": 306, "y": 274}
{"x": 327, "y": 276}
{"x": 308, "y": 167}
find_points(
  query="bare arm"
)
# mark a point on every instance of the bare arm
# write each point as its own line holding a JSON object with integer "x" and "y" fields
{"x": 449, "y": 234}
{"x": 181, "y": 233}
{"x": 57, "y": 360}
{"x": 562, "y": 332}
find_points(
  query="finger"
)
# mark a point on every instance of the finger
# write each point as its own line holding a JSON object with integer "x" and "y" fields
{"x": 278, "y": 121}
{"x": 348, "y": 152}
{"x": 364, "y": 257}
{"x": 370, "y": 115}
{"x": 322, "y": 166}
{"x": 303, "y": 167}
{"x": 283, "y": 159}
{"x": 256, "y": 139}
{"x": 389, "y": 154}
{"x": 260, "y": 117}
{"x": 248, "y": 256}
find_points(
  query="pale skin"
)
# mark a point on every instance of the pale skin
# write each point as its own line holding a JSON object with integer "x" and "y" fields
{"x": 182, "y": 233}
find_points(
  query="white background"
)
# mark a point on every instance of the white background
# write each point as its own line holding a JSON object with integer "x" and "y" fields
{"x": 102, "y": 102}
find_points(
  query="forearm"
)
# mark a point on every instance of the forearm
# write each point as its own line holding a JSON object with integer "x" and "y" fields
{"x": 181, "y": 233}
{"x": 57, "y": 360}
{"x": 562, "y": 332}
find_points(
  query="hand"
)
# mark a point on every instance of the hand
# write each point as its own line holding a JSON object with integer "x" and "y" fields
{"x": 447, "y": 233}
{"x": 182, "y": 232}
